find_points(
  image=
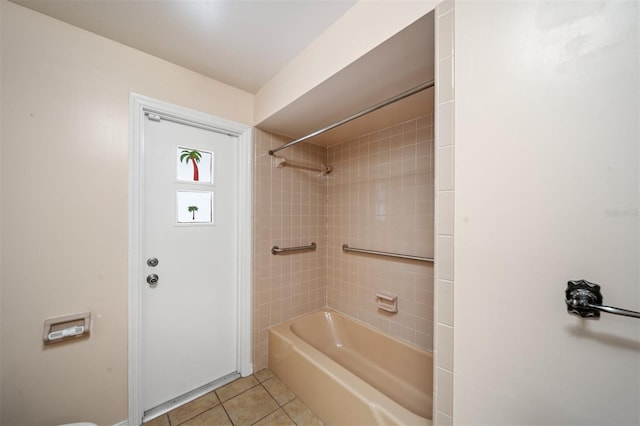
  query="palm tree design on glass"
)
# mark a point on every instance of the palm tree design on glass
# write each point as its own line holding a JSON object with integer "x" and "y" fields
{"x": 193, "y": 210}
{"x": 195, "y": 157}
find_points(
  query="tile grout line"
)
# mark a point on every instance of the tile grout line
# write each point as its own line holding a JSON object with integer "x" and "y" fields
{"x": 221, "y": 403}
{"x": 280, "y": 407}
{"x": 246, "y": 390}
{"x": 227, "y": 413}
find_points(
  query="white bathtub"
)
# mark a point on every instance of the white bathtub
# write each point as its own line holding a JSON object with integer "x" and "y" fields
{"x": 350, "y": 374}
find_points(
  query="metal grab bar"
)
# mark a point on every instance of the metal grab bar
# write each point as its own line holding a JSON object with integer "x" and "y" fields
{"x": 275, "y": 249}
{"x": 281, "y": 162}
{"x": 585, "y": 299}
{"x": 346, "y": 247}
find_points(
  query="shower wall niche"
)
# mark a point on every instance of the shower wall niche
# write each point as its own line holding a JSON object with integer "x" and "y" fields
{"x": 378, "y": 196}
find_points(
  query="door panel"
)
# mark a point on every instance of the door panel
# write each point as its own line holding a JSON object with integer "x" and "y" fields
{"x": 190, "y": 317}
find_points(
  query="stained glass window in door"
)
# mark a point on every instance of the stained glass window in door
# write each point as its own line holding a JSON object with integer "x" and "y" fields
{"x": 195, "y": 207}
{"x": 194, "y": 165}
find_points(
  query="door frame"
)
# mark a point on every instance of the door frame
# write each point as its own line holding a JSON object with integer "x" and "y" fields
{"x": 138, "y": 105}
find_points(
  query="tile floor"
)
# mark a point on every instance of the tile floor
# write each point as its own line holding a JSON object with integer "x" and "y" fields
{"x": 260, "y": 399}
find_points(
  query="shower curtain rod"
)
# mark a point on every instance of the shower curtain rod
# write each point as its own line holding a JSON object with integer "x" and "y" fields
{"x": 366, "y": 111}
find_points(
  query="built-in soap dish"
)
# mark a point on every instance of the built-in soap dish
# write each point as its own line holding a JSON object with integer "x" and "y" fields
{"x": 387, "y": 302}
{"x": 66, "y": 328}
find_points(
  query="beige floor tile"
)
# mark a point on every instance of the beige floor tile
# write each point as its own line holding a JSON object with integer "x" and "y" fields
{"x": 193, "y": 408}
{"x": 236, "y": 387}
{"x": 264, "y": 374}
{"x": 277, "y": 418}
{"x": 250, "y": 406}
{"x": 159, "y": 421}
{"x": 301, "y": 414}
{"x": 278, "y": 390}
{"x": 216, "y": 416}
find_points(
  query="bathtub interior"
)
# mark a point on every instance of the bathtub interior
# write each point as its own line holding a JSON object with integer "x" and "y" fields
{"x": 369, "y": 377}
{"x": 400, "y": 371}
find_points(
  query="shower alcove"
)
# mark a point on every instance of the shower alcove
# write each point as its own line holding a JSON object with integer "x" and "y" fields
{"x": 379, "y": 195}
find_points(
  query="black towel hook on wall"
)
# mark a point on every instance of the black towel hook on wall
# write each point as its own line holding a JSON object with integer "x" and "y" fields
{"x": 585, "y": 299}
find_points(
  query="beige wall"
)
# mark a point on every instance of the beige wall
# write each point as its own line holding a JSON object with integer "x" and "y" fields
{"x": 290, "y": 210}
{"x": 546, "y": 191}
{"x": 64, "y": 208}
{"x": 380, "y": 197}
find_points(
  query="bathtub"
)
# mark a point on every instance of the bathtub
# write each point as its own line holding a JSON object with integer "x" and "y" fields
{"x": 350, "y": 374}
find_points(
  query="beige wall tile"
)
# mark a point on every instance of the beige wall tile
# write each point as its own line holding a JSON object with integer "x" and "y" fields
{"x": 380, "y": 195}
{"x": 445, "y": 212}
{"x": 446, "y": 84}
{"x": 445, "y": 182}
{"x": 446, "y": 168}
{"x": 442, "y": 419}
{"x": 444, "y": 380}
{"x": 445, "y": 35}
{"x": 381, "y": 198}
{"x": 445, "y": 130}
{"x": 445, "y": 347}
{"x": 445, "y": 257}
{"x": 289, "y": 210}
{"x": 445, "y": 302}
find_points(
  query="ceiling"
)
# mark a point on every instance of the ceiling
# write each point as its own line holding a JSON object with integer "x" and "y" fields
{"x": 244, "y": 43}
{"x": 241, "y": 43}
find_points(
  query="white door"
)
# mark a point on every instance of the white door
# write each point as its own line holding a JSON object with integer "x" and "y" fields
{"x": 189, "y": 317}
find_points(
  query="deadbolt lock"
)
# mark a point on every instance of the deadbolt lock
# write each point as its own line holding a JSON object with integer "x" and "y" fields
{"x": 152, "y": 261}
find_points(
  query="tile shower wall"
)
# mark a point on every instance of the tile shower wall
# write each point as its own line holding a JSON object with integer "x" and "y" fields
{"x": 380, "y": 197}
{"x": 290, "y": 209}
{"x": 445, "y": 111}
